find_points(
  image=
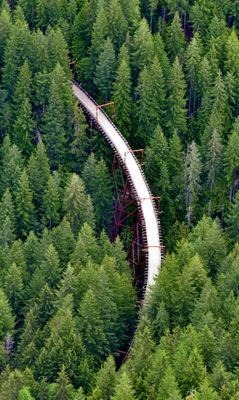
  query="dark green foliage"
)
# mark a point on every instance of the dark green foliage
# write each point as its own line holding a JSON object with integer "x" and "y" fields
{"x": 97, "y": 180}
{"x": 38, "y": 172}
{"x": 105, "y": 70}
{"x": 233, "y": 219}
{"x": 7, "y": 319}
{"x": 122, "y": 95}
{"x": 91, "y": 327}
{"x": 66, "y": 295}
{"x": 24, "y": 206}
{"x": 51, "y": 202}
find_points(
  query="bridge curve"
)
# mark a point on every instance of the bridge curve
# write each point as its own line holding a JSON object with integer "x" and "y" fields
{"x": 135, "y": 175}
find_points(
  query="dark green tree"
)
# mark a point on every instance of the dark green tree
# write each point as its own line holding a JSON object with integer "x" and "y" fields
{"x": 14, "y": 287}
{"x": 232, "y": 157}
{"x": 142, "y": 47}
{"x": 117, "y": 22}
{"x": 122, "y": 97}
{"x": 38, "y": 171}
{"x": 57, "y": 50}
{"x": 105, "y": 70}
{"x": 17, "y": 49}
{"x": 192, "y": 171}
{"x": 6, "y": 318}
{"x": 233, "y": 219}
{"x": 24, "y": 206}
{"x": 4, "y": 31}
{"x": 175, "y": 39}
{"x": 176, "y": 118}
{"x": 12, "y": 166}
{"x": 51, "y": 202}
{"x": 7, "y": 220}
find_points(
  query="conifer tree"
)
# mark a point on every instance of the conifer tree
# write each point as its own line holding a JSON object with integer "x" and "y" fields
{"x": 105, "y": 381}
{"x": 12, "y": 165}
{"x": 232, "y": 157}
{"x": 64, "y": 390}
{"x": 14, "y": 287}
{"x": 139, "y": 363}
{"x": 58, "y": 51}
{"x": 214, "y": 159}
{"x": 206, "y": 392}
{"x": 156, "y": 162}
{"x": 24, "y": 394}
{"x": 79, "y": 142}
{"x": 38, "y": 171}
{"x": 176, "y": 118}
{"x": 168, "y": 388}
{"x": 193, "y": 61}
{"x": 78, "y": 206}
{"x": 24, "y": 206}
{"x": 233, "y": 219}
{"x": 99, "y": 34}
{"x": 7, "y": 219}
{"x": 158, "y": 91}
{"x": 50, "y": 267}
{"x": 105, "y": 70}
{"x": 232, "y": 51}
{"x": 6, "y": 316}
{"x": 201, "y": 16}
{"x": 86, "y": 247}
{"x": 88, "y": 173}
{"x": 117, "y": 22}
{"x": 23, "y": 86}
{"x": 54, "y": 126}
{"x": 63, "y": 347}
{"x": 17, "y": 49}
{"x": 192, "y": 171}
{"x": 16, "y": 255}
{"x": 175, "y": 169}
{"x": 51, "y": 202}
{"x": 82, "y": 29}
{"x": 209, "y": 243}
{"x": 214, "y": 163}
{"x": 63, "y": 240}
{"x": 146, "y": 122}
{"x": 23, "y": 128}
{"x": 5, "y": 24}
{"x": 102, "y": 195}
{"x": 91, "y": 327}
{"x": 124, "y": 389}
{"x": 160, "y": 53}
{"x": 175, "y": 38}
{"x": 132, "y": 13}
{"x": 142, "y": 47}
{"x": 122, "y": 97}
{"x": 31, "y": 252}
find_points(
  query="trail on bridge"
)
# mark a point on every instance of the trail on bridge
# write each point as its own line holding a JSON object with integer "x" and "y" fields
{"x": 135, "y": 175}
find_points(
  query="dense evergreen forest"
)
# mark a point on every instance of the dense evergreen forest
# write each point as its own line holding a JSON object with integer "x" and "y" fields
{"x": 67, "y": 303}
